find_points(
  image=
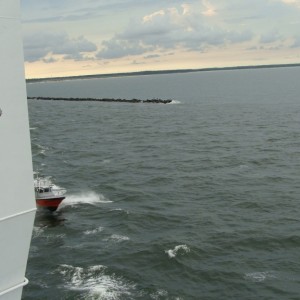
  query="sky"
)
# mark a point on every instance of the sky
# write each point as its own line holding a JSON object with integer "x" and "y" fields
{"x": 76, "y": 37}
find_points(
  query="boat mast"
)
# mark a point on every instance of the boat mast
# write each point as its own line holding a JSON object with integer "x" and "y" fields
{"x": 17, "y": 196}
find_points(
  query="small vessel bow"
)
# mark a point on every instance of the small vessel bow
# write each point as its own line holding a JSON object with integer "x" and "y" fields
{"x": 47, "y": 194}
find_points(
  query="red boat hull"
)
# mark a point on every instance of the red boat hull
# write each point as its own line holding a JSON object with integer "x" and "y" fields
{"x": 51, "y": 204}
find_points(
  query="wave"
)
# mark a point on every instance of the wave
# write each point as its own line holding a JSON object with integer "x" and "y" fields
{"x": 175, "y": 102}
{"x": 93, "y": 231}
{"x": 37, "y": 231}
{"x": 180, "y": 249}
{"x": 117, "y": 238}
{"x": 55, "y": 236}
{"x": 160, "y": 294}
{"x": 39, "y": 149}
{"x": 243, "y": 167}
{"x": 84, "y": 198}
{"x": 106, "y": 161}
{"x": 121, "y": 210}
{"x": 259, "y": 276}
{"x": 95, "y": 282}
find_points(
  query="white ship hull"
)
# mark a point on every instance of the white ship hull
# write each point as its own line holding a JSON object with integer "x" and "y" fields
{"x": 17, "y": 212}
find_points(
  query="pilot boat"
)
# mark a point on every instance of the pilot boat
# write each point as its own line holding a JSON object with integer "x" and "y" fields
{"x": 47, "y": 194}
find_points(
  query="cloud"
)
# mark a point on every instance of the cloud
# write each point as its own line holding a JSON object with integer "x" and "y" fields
{"x": 117, "y": 48}
{"x": 184, "y": 27}
{"x": 196, "y": 31}
{"x": 292, "y": 2}
{"x": 296, "y": 42}
{"x": 72, "y": 17}
{"x": 248, "y": 13}
{"x": 150, "y": 17}
{"x": 209, "y": 9}
{"x": 49, "y": 60}
{"x": 48, "y": 11}
{"x": 38, "y": 46}
{"x": 270, "y": 37}
{"x": 152, "y": 56}
{"x": 73, "y": 46}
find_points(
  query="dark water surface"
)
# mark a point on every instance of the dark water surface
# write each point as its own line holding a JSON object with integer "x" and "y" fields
{"x": 193, "y": 200}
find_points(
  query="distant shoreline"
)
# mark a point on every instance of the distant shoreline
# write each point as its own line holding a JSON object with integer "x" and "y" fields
{"x": 159, "y": 72}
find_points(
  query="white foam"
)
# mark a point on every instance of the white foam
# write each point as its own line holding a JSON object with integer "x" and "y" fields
{"x": 95, "y": 282}
{"x": 55, "y": 236}
{"x": 106, "y": 161}
{"x": 42, "y": 149}
{"x": 175, "y": 102}
{"x": 42, "y": 152}
{"x": 178, "y": 249}
{"x": 84, "y": 198}
{"x": 159, "y": 294}
{"x": 122, "y": 210}
{"x": 117, "y": 238}
{"x": 259, "y": 276}
{"x": 36, "y": 232}
{"x": 243, "y": 167}
{"x": 94, "y": 231}
{"x": 56, "y": 187}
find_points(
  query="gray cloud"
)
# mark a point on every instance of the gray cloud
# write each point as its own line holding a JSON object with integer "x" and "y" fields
{"x": 296, "y": 43}
{"x": 169, "y": 29}
{"x": 156, "y": 27}
{"x": 74, "y": 10}
{"x": 49, "y": 60}
{"x": 152, "y": 56}
{"x": 74, "y": 17}
{"x": 270, "y": 37}
{"x": 37, "y": 46}
{"x": 116, "y": 48}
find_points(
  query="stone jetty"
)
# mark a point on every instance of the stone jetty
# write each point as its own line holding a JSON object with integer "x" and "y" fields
{"x": 117, "y": 100}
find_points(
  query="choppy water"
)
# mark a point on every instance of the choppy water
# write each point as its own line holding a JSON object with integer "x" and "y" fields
{"x": 194, "y": 200}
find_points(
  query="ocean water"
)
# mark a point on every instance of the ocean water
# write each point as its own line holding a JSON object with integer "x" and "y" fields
{"x": 198, "y": 199}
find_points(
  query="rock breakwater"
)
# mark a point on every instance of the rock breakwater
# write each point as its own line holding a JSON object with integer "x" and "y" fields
{"x": 117, "y": 100}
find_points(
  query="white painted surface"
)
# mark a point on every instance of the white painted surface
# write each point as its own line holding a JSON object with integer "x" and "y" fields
{"x": 16, "y": 182}
{"x": 15, "y": 234}
{"x": 9, "y": 9}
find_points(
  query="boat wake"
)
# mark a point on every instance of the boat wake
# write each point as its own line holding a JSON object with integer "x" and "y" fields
{"x": 36, "y": 232}
{"x": 95, "y": 282}
{"x": 84, "y": 198}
